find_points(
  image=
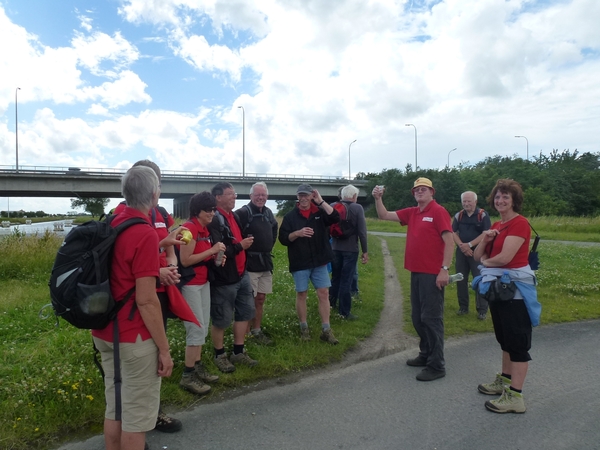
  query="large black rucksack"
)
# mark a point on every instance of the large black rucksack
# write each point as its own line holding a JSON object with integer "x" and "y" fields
{"x": 79, "y": 283}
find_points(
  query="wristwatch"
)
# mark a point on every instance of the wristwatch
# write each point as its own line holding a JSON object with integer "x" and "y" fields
{"x": 445, "y": 267}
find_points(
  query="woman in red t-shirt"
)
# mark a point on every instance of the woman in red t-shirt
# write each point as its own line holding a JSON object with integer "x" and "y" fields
{"x": 198, "y": 253}
{"x": 506, "y": 246}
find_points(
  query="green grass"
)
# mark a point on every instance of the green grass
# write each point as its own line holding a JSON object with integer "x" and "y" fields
{"x": 568, "y": 288}
{"x": 50, "y": 389}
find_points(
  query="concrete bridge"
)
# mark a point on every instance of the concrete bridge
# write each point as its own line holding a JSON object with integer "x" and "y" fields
{"x": 38, "y": 181}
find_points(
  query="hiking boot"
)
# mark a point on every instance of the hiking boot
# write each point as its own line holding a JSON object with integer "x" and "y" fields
{"x": 462, "y": 312}
{"x": 204, "y": 374}
{"x": 349, "y": 317}
{"x": 243, "y": 359}
{"x": 428, "y": 374}
{"x": 261, "y": 338}
{"x": 417, "y": 362}
{"x": 509, "y": 402}
{"x": 481, "y": 316}
{"x": 190, "y": 382}
{"x": 304, "y": 334}
{"x": 223, "y": 364}
{"x": 166, "y": 424}
{"x": 327, "y": 336}
{"x": 496, "y": 387}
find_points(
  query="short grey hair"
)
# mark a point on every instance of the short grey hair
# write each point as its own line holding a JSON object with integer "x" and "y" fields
{"x": 467, "y": 192}
{"x": 259, "y": 183}
{"x": 348, "y": 192}
{"x": 138, "y": 186}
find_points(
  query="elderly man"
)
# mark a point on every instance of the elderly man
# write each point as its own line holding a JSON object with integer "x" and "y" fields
{"x": 304, "y": 231}
{"x": 428, "y": 255}
{"x": 468, "y": 226}
{"x": 257, "y": 220}
{"x": 230, "y": 289}
{"x": 345, "y": 252}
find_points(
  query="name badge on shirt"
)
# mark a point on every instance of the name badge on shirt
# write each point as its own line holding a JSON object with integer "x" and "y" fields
{"x": 160, "y": 225}
{"x": 427, "y": 219}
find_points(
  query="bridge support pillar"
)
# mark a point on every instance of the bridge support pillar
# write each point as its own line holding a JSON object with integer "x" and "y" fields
{"x": 181, "y": 207}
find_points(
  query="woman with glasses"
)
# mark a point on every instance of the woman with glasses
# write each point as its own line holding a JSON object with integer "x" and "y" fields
{"x": 199, "y": 252}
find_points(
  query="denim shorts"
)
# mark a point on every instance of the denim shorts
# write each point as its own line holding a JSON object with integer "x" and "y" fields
{"x": 319, "y": 276}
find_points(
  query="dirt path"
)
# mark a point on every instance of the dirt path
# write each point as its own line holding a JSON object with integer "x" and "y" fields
{"x": 388, "y": 336}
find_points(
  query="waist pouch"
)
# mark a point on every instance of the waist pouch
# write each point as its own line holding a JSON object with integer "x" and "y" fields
{"x": 501, "y": 291}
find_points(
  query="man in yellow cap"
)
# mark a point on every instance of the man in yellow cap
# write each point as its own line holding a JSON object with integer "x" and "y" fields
{"x": 429, "y": 248}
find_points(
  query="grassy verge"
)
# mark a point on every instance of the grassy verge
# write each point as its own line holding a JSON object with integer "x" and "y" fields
{"x": 51, "y": 390}
{"x": 568, "y": 288}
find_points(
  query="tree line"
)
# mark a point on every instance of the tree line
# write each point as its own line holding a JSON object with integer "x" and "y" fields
{"x": 562, "y": 183}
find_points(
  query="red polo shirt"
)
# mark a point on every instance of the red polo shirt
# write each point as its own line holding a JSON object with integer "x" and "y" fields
{"x": 134, "y": 256}
{"x": 424, "y": 244}
{"x": 203, "y": 243}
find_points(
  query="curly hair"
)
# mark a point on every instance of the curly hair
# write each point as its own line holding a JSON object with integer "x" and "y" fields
{"x": 508, "y": 186}
{"x": 201, "y": 202}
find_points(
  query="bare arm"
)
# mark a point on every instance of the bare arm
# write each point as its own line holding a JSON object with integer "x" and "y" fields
{"x": 189, "y": 258}
{"x": 149, "y": 307}
{"x": 383, "y": 213}
{"x": 444, "y": 277}
{"x": 509, "y": 250}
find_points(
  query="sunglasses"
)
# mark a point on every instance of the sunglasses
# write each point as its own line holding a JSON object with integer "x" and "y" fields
{"x": 210, "y": 210}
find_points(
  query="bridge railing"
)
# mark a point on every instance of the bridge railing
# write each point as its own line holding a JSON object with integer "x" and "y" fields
{"x": 105, "y": 171}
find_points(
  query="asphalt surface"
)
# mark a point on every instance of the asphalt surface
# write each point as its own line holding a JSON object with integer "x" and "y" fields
{"x": 379, "y": 405}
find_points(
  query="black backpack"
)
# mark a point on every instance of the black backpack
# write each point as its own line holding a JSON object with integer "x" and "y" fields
{"x": 79, "y": 283}
{"x": 344, "y": 228}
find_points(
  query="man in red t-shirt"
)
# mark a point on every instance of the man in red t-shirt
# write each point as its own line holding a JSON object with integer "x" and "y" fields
{"x": 429, "y": 248}
{"x": 143, "y": 344}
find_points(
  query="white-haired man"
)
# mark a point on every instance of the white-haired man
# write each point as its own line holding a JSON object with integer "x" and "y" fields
{"x": 345, "y": 252}
{"x": 257, "y": 220}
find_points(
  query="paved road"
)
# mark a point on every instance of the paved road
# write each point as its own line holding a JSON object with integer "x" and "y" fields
{"x": 379, "y": 404}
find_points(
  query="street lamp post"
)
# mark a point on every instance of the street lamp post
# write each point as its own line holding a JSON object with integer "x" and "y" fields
{"x": 448, "y": 166}
{"x": 16, "y": 132}
{"x": 527, "y": 145}
{"x": 411, "y": 125}
{"x": 349, "y": 171}
{"x": 243, "y": 142}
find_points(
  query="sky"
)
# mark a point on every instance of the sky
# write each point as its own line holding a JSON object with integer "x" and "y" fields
{"x": 104, "y": 83}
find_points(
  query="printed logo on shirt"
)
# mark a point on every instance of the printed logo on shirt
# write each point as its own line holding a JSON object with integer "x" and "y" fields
{"x": 427, "y": 219}
{"x": 160, "y": 225}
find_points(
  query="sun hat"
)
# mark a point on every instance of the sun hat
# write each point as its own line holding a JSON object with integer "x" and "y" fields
{"x": 422, "y": 181}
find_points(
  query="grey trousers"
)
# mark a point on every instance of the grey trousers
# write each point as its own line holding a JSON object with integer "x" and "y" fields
{"x": 427, "y": 302}
{"x": 467, "y": 265}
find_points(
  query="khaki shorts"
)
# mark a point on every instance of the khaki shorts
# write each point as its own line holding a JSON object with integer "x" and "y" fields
{"x": 140, "y": 391}
{"x": 262, "y": 282}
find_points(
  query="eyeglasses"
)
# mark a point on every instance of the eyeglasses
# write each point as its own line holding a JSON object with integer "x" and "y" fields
{"x": 420, "y": 189}
{"x": 259, "y": 195}
{"x": 231, "y": 193}
{"x": 210, "y": 210}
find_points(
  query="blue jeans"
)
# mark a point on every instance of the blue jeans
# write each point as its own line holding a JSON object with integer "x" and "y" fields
{"x": 343, "y": 268}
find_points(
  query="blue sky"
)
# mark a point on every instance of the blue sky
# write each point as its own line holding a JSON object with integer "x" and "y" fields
{"x": 106, "y": 83}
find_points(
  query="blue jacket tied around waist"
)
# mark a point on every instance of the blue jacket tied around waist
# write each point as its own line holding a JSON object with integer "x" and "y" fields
{"x": 525, "y": 280}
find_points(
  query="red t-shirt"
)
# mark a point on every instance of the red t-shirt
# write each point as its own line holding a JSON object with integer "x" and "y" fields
{"x": 424, "y": 244}
{"x": 161, "y": 228}
{"x": 240, "y": 258}
{"x": 134, "y": 256}
{"x": 203, "y": 243}
{"x": 519, "y": 226}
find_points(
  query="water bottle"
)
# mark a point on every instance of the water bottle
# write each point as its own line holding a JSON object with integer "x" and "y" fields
{"x": 456, "y": 277}
{"x": 505, "y": 278}
{"x": 219, "y": 258}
